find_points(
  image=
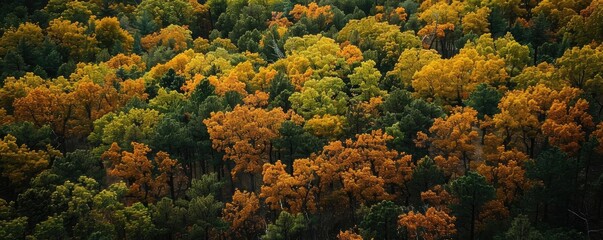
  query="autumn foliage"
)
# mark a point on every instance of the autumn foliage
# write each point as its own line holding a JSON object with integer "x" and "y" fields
{"x": 291, "y": 120}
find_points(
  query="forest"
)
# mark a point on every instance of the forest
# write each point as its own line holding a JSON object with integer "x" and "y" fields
{"x": 295, "y": 119}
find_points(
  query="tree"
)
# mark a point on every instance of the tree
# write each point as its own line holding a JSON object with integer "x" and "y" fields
{"x": 135, "y": 125}
{"x": 476, "y": 22}
{"x": 287, "y": 226}
{"x": 579, "y": 65}
{"x": 29, "y": 34}
{"x": 566, "y": 126}
{"x": 164, "y": 13}
{"x": 552, "y": 167}
{"x": 544, "y": 73}
{"x": 384, "y": 39}
{"x": 472, "y": 192}
{"x": 441, "y": 18}
{"x": 452, "y": 80}
{"x": 11, "y": 226}
{"x": 425, "y": 176}
{"x": 326, "y": 126}
{"x": 147, "y": 181}
{"x": 380, "y": 221}
{"x": 433, "y": 224}
{"x": 365, "y": 81}
{"x": 50, "y": 106}
{"x": 172, "y": 36}
{"x": 312, "y": 11}
{"x": 245, "y": 135}
{"x": 169, "y": 218}
{"x": 291, "y": 192}
{"x": 508, "y": 175}
{"x": 521, "y": 228}
{"x": 320, "y": 97}
{"x": 348, "y": 235}
{"x": 111, "y": 36}
{"x": 404, "y": 117}
{"x": 409, "y": 62}
{"x": 295, "y": 142}
{"x": 484, "y": 100}
{"x": 73, "y": 38}
{"x": 19, "y": 164}
{"x": 242, "y": 214}
{"x": 203, "y": 213}
{"x": 454, "y": 137}
{"x": 78, "y": 163}
{"x": 518, "y": 124}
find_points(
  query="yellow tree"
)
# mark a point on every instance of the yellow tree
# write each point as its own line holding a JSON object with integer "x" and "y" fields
{"x": 19, "y": 164}
{"x": 27, "y": 33}
{"x": 173, "y": 36}
{"x": 508, "y": 178}
{"x": 245, "y": 136}
{"x": 409, "y": 62}
{"x": 290, "y": 192}
{"x": 566, "y": 125}
{"x": 348, "y": 235}
{"x": 441, "y": 17}
{"x": 452, "y": 80}
{"x": 580, "y": 65}
{"x": 313, "y": 12}
{"x": 110, "y": 35}
{"x": 543, "y": 73}
{"x": 72, "y": 36}
{"x": 14, "y": 88}
{"x": 455, "y": 137}
{"x": 431, "y": 225}
{"x": 518, "y": 125}
{"x": 477, "y": 21}
{"x": 148, "y": 180}
{"x": 48, "y": 106}
{"x": 380, "y": 38}
{"x": 243, "y": 215}
{"x": 343, "y": 175}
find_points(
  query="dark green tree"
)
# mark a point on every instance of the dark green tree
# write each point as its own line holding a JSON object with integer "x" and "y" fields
{"x": 79, "y": 163}
{"x": 472, "y": 192}
{"x": 172, "y": 81}
{"x": 485, "y": 100}
{"x": 381, "y": 221}
{"x": 556, "y": 172}
{"x": 286, "y": 227}
{"x": 425, "y": 176}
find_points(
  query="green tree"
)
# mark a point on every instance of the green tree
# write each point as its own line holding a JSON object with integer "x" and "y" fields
{"x": 78, "y": 163}
{"x": 485, "y": 100}
{"x": 424, "y": 177}
{"x": 472, "y": 191}
{"x": 11, "y": 226}
{"x": 404, "y": 117}
{"x": 169, "y": 217}
{"x": 381, "y": 221}
{"x": 204, "y": 210}
{"x": 521, "y": 229}
{"x": 557, "y": 174}
{"x": 286, "y": 227}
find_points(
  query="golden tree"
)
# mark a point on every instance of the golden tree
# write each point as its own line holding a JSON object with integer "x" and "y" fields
{"x": 433, "y": 224}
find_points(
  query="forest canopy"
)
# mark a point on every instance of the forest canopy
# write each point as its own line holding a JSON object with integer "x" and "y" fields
{"x": 289, "y": 119}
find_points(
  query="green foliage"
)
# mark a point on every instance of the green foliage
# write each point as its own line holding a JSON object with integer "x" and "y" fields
{"x": 472, "y": 192}
{"x": 424, "y": 177}
{"x": 381, "y": 221}
{"x": 485, "y": 100}
{"x": 136, "y": 125}
{"x": 286, "y": 226}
